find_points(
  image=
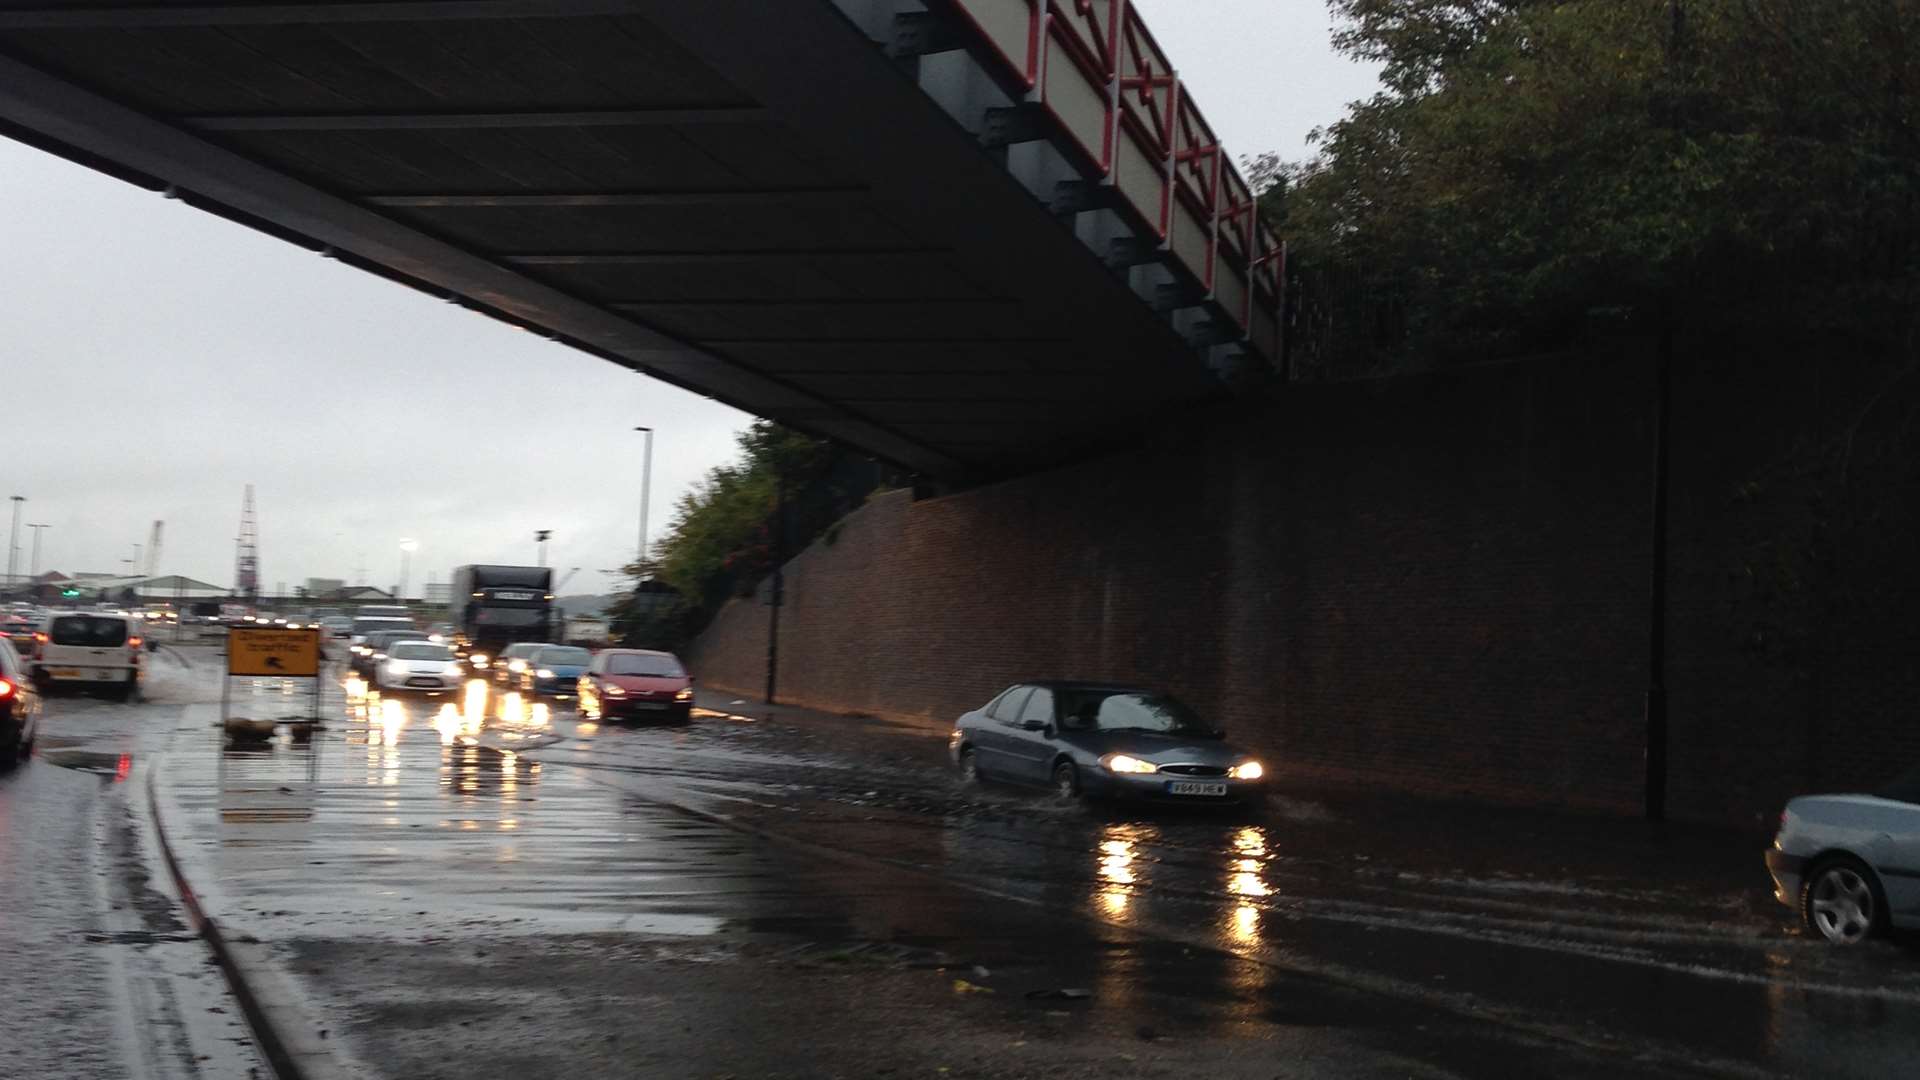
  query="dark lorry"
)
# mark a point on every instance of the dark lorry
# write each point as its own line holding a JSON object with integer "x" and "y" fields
{"x": 495, "y": 606}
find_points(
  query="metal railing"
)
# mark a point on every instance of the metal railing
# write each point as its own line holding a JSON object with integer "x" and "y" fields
{"x": 1094, "y": 68}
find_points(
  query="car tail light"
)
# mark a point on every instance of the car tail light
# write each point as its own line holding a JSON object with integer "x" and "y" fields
{"x": 40, "y": 639}
{"x": 133, "y": 642}
{"x": 6, "y": 689}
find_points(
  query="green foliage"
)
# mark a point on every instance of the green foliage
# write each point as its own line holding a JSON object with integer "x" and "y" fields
{"x": 655, "y": 620}
{"x": 721, "y": 533}
{"x": 1533, "y": 165}
{"x": 721, "y": 539}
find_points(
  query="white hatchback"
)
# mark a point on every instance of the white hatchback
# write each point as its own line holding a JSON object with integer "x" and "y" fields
{"x": 1850, "y": 864}
{"x": 420, "y": 666}
{"x": 90, "y": 649}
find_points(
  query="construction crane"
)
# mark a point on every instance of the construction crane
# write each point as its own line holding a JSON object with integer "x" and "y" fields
{"x": 153, "y": 549}
{"x": 246, "y": 569}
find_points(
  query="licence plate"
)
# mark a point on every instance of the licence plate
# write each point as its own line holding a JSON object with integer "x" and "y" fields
{"x": 1194, "y": 787}
{"x": 66, "y": 673}
{"x": 648, "y": 705}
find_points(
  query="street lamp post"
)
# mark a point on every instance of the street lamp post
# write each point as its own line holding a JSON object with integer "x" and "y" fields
{"x": 13, "y": 544}
{"x": 646, "y": 493}
{"x": 407, "y": 548}
{"x": 33, "y": 568}
{"x": 540, "y": 538}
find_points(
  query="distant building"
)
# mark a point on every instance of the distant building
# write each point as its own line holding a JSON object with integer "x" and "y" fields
{"x": 325, "y": 586}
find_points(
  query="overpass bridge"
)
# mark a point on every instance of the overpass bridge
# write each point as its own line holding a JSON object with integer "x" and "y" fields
{"x": 972, "y": 237}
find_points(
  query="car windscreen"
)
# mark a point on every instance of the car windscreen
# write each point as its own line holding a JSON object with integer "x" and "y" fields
{"x": 1128, "y": 710}
{"x": 422, "y": 652}
{"x": 93, "y": 631}
{"x": 368, "y": 626}
{"x": 658, "y": 667}
{"x": 563, "y": 657}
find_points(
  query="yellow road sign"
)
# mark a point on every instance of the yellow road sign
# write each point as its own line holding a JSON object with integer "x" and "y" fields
{"x": 272, "y": 651}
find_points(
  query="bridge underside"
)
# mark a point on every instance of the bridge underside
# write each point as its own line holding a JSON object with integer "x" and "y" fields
{"x": 747, "y": 199}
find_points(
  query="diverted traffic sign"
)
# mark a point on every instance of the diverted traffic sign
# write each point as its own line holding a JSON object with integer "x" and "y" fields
{"x": 254, "y": 650}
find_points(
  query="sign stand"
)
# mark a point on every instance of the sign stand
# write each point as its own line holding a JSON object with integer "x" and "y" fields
{"x": 270, "y": 652}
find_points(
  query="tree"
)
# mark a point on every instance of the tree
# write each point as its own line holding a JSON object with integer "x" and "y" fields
{"x": 1532, "y": 166}
{"x": 721, "y": 537}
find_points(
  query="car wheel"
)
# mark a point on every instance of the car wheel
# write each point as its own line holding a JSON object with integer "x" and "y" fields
{"x": 970, "y": 767}
{"x": 1842, "y": 902}
{"x": 1066, "y": 781}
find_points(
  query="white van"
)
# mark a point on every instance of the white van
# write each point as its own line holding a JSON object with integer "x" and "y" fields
{"x": 90, "y": 648}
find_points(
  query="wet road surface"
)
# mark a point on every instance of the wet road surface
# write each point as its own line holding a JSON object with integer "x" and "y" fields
{"x": 536, "y": 862}
{"x": 102, "y": 977}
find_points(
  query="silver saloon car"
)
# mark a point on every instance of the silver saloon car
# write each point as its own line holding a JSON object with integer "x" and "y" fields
{"x": 1093, "y": 740}
{"x": 1850, "y": 864}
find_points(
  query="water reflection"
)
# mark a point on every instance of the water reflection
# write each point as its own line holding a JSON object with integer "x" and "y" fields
{"x": 1246, "y": 880}
{"x": 1119, "y": 871}
{"x": 393, "y": 720}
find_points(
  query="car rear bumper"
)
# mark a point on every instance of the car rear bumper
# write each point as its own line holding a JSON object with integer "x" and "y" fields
{"x": 83, "y": 673}
{"x": 1787, "y": 871}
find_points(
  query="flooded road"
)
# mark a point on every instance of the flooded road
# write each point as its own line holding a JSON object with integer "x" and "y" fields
{"x": 103, "y": 978}
{"x": 834, "y": 878}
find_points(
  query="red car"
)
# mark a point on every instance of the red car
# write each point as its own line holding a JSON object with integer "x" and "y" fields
{"x": 636, "y": 683}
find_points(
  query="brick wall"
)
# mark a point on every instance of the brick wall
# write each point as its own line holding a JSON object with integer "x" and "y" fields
{"x": 1435, "y": 584}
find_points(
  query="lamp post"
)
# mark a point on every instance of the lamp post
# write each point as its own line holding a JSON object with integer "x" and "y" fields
{"x": 540, "y": 538}
{"x": 33, "y": 570}
{"x": 13, "y": 545}
{"x": 646, "y": 493}
{"x": 407, "y": 548}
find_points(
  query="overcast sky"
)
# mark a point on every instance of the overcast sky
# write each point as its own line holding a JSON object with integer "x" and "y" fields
{"x": 157, "y": 359}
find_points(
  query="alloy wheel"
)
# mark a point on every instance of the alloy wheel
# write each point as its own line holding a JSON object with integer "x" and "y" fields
{"x": 1842, "y": 905}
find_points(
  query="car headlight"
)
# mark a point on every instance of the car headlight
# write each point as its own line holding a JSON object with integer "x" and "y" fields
{"x": 1247, "y": 770}
{"x": 479, "y": 658}
{"x": 396, "y": 668}
{"x": 615, "y": 691}
{"x": 543, "y": 673}
{"x": 516, "y": 665}
{"x": 686, "y": 694}
{"x": 1121, "y": 763}
{"x": 360, "y": 650}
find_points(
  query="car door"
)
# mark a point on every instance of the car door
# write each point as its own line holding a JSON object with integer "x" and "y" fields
{"x": 993, "y": 750}
{"x": 1030, "y": 738}
{"x": 1899, "y": 860}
